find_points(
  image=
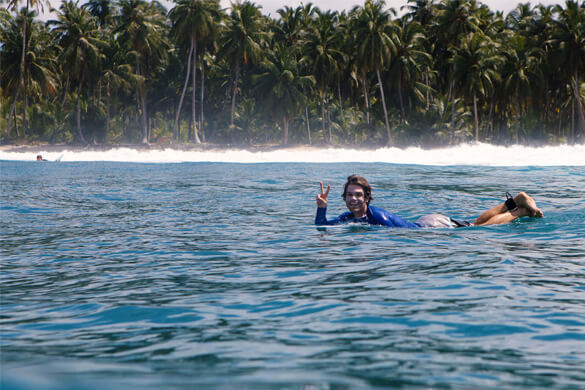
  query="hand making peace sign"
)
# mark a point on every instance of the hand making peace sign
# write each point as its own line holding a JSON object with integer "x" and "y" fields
{"x": 322, "y": 197}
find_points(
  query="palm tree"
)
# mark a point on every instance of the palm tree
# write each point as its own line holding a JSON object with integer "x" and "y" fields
{"x": 475, "y": 69}
{"x": 569, "y": 40}
{"x": 289, "y": 27}
{"x": 322, "y": 53}
{"x": 12, "y": 4}
{"x": 81, "y": 45}
{"x": 520, "y": 72}
{"x": 195, "y": 20}
{"x": 242, "y": 42}
{"x": 306, "y": 14}
{"x": 38, "y": 76}
{"x": 142, "y": 27}
{"x": 281, "y": 85}
{"x": 455, "y": 19}
{"x": 116, "y": 74}
{"x": 376, "y": 44}
{"x": 101, "y": 9}
{"x": 411, "y": 62}
{"x": 421, "y": 11}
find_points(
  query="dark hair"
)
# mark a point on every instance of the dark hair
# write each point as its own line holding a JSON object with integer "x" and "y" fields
{"x": 360, "y": 181}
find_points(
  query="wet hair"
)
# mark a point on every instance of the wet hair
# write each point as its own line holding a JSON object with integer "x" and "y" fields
{"x": 359, "y": 181}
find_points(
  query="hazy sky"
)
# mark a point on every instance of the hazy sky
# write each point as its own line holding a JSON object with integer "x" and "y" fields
{"x": 270, "y": 6}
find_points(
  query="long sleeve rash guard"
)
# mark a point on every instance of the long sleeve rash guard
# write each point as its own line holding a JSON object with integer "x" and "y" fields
{"x": 374, "y": 216}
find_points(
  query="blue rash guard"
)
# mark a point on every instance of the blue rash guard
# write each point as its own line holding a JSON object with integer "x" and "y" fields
{"x": 374, "y": 216}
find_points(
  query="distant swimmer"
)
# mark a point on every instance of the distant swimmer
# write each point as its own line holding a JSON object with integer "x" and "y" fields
{"x": 40, "y": 158}
{"x": 357, "y": 194}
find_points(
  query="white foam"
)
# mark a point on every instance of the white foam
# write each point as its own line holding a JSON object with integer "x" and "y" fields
{"x": 467, "y": 154}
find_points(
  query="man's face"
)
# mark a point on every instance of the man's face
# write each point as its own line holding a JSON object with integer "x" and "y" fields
{"x": 355, "y": 200}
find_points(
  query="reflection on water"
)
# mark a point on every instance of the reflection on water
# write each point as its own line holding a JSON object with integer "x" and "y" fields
{"x": 205, "y": 275}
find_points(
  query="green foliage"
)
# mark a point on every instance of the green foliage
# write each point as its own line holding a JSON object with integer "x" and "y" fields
{"x": 446, "y": 71}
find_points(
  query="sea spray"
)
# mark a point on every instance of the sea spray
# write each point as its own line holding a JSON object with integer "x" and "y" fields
{"x": 466, "y": 154}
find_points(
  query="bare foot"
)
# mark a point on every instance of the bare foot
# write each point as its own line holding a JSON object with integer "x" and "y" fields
{"x": 525, "y": 201}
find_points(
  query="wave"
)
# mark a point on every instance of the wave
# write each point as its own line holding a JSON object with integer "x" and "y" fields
{"x": 467, "y": 154}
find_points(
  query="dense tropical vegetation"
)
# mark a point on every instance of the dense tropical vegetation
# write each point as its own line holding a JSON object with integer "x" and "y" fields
{"x": 442, "y": 72}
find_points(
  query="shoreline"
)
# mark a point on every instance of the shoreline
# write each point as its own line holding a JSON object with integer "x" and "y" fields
{"x": 208, "y": 147}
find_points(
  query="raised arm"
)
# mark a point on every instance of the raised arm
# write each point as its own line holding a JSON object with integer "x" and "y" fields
{"x": 321, "y": 217}
{"x": 322, "y": 197}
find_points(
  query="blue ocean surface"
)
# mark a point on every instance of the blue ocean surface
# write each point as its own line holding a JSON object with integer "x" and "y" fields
{"x": 213, "y": 276}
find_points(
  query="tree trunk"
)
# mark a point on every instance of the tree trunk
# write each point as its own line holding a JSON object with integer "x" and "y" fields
{"x": 178, "y": 113}
{"x": 328, "y": 120}
{"x": 571, "y": 136}
{"x": 24, "y": 104}
{"x": 12, "y": 114}
{"x": 108, "y": 102}
{"x": 365, "y": 91}
{"x": 339, "y": 96}
{"x": 144, "y": 116}
{"x": 475, "y": 118}
{"x": 323, "y": 114}
{"x": 490, "y": 117}
{"x": 141, "y": 105}
{"x": 201, "y": 120}
{"x": 453, "y": 112}
{"x": 427, "y": 91}
{"x": 285, "y": 123}
{"x": 307, "y": 123}
{"x": 79, "y": 132}
{"x": 193, "y": 107}
{"x": 402, "y": 111}
{"x": 234, "y": 91}
{"x": 141, "y": 97}
{"x": 517, "y": 127}
{"x": 389, "y": 143}
{"x": 149, "y": 134}
{"x": 559, "y": 128}
{"x": 16, "y": 124}
{"x": 65, "y": 89}
{"x": 579, "y": 104}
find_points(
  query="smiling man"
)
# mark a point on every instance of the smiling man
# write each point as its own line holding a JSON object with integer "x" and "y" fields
{"x": 357, "y": 194}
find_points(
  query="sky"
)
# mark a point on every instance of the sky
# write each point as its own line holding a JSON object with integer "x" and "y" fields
{"x": 269, "y": 7}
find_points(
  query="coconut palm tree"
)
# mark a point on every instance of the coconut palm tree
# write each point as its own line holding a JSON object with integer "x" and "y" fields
{"x": 101, "y": 9}
{"x": 288, "y": 28}
{"x": 376, "y": 44}
{"x": 569, "y": 40}
{"x": 475, "y": 69}
{"x": 281, "y": 85}
{"x": 521, "y": 73}
{"x": 12, "y": 5}
{"x": 38, "y": 78}
{"x": 142, "y": 28}
{"x": 410, "y": 63}
{"x": 306, "y": 15}
{"x": 196, "y": 21}
{"x": 321, "y": 52}
{"x": 454, "y": 20}
{"x": 116, "y": 74}
{"x": 81, "y": 45}
{"x": 242, "y": 42}
{"x": 421, "y": 11}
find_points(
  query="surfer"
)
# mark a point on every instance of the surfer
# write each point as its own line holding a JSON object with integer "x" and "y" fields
{"x": 40, "y": 158}
{"x": 357, "y": 194}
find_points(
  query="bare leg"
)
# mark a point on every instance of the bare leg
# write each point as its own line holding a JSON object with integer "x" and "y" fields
{"x": 500, "y": 214}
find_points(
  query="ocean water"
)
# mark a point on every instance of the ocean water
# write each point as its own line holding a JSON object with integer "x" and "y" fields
{"x": 211, "y": 275}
